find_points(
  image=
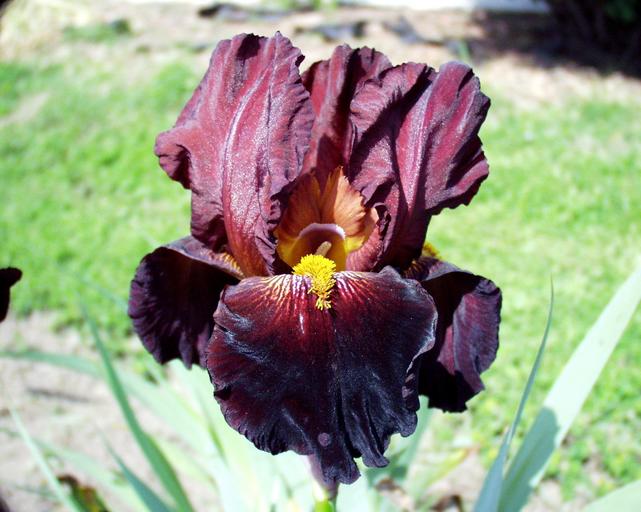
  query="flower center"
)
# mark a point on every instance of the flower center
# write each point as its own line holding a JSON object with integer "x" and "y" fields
{"x": 321, "y": 271}
{"x": 334, "y": 214}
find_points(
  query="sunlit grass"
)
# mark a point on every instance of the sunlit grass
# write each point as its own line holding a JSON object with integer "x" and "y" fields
{"x": 82, "y": 200}
{"x": 562, "y": 201}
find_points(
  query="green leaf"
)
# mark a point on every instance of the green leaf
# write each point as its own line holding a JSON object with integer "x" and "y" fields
{"x": 624, "y": 499}
{"x": 568, "y": 394}
{"x": 324, "y": 506}
{"x": 160, "y": 399}
{"x": 110, "y": 480}
{"x": 53, "y": 482}
{"x": 205, "y": 432}
{"x": 490, "y": 495}
{"x": 146, "y": 494}
{"x": 85, "y": 495}
{"x": 74, "y": 363}
{"x": 156, "y": 459}
{"x": 410, "y": 445}
{"x": 88, "y": 466}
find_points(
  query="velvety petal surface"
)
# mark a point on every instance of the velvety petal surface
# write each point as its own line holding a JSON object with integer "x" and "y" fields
{"x": 173, "y": 297}
{"x": 8, "y": 277}
{"x": 239, "y": 144}
{"x": 333, "y": 384}
{"x": 469, "y": 308}
{"x": 332, "y": 84}
{"x": 416, "y": 151}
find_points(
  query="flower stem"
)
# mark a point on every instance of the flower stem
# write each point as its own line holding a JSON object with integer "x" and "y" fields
{"x": 325, "y": 493}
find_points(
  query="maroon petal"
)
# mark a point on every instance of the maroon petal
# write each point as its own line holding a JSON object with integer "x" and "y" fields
{"x": 334, "y": 384}
{"x": 469, "y": 312}
{"x": 174, "y": 295}
{"x": 332, "y": 84}
{"x": 238, "y": 145}
{"x": 416, "y": 150}
{"x": 8, "y": 277}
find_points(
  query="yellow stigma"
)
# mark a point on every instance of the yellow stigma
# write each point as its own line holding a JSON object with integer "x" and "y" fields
{"x": 321, "y": 271}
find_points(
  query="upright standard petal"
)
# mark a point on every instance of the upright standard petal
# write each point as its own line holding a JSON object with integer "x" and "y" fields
{"x": 416, "y": 152}
{"x": 331, "y": 383}
{"x": 174, "y": 295}
{"x": 8, "y": 277}
{"x": 332, "y": 84}
{"x": 239, "y": 144}
{"x": 469, "y": 310}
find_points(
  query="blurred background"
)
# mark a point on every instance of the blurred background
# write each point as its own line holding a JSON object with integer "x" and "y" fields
{"x": 85, "y": 87}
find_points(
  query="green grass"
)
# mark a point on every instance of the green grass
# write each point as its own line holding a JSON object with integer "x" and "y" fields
{"x": 100, "y": 32}
{"x": 82, "y": 197}
{"x": 17, "y": 81}
{"x": 82, "y": 200}
{"x": 563, "y": 200}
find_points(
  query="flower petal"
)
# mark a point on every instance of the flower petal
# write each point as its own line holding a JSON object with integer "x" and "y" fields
{"x": 334, "y": 384}
{"x": 332, "y": 84}
{"x": 469, "y": 311}
{"x": 416, "y": 151}
{"x": 8, "y": 277}
{"x": 174, "y": 295}
{"x": 239, "y": 144}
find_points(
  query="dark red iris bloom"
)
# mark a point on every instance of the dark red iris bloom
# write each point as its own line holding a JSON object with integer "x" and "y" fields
{"x": 8, "y": 277}
{"x": 303, "y": 288}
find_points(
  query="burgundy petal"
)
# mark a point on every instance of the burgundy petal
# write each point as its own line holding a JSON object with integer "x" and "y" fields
{"x": 334, "y": 384}
{"x": 238, "y": 145}
{"x": 174, "y": 295}
{"x": 332, "y": 84}
{"x": 469, "y": 310}
{"x": 416, "y": 151}
{"x": 8, "y": 277}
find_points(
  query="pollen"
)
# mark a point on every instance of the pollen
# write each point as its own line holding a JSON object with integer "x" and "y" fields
{"x": 430, "y": 250}
{"x": 321, "y": 271}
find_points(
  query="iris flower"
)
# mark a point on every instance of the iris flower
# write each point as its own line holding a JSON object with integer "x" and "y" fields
{"x": 305, "y": 287}
{"x": 8, "y": 277}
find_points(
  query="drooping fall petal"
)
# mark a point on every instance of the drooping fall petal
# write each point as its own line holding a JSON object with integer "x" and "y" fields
{"x": 239, "y": 144}
{"x": 335, "y": 383}
{"x": 416, "y": 152}
{"x": 174, "y": 295}
{"x": 469, "y": 308}
{"x": 8, "y": 277}
{"x": 332, "y": 84}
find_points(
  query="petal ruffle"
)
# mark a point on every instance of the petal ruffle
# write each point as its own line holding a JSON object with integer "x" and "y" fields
{"x": 333, "y": 384}
{"x": 8, "y": 277}
{"x": 174, "y": 295}
{"x": 416, "y": 151}
{"x": 332, "y": 84}
{"x": 239, "y": 144}
{"x": 469, "y": 310}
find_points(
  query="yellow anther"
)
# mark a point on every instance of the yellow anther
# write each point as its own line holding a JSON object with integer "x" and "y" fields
{"x": 321, "y": 271}
{"x": 430, "y": 250}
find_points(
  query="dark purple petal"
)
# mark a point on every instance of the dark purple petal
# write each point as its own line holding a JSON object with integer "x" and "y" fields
{"x": 333, "y": 384}
{"x": 8, "y": 277}
{"x": 239, "y": 144}
{"x": 416, "y": 151}
{"x": 332, "y": 84}
{"x": 469, "y": 313}
{"x": 174, "y": 295}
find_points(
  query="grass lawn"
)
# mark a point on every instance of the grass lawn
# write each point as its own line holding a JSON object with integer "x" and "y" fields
{"x": 82, "y": 200}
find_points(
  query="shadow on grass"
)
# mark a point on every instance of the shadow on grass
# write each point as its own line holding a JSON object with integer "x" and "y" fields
{"x": 539, "y": 37}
